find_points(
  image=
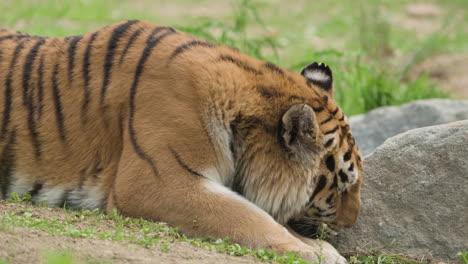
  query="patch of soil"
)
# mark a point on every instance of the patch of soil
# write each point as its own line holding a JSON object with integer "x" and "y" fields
{"x": 423, "y": 10}
{"x": 421, "y": 18}
{"x": 177, "y": 11}
{"x": 448, "y": 71}
{"x": 23, "y": 245}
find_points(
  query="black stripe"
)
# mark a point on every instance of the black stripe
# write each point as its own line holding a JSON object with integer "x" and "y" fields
{"x": 7, "y": 164}
{"x": 40, "y": 88}
{"x": 326, "y": 120}
{"x": 329, "y": 142}
{"x": 342, "y": 118}
{"x": 343, "y": 176}
{"x": 34, "y": 133}
{"x": 320, "y": 210}
{"x": 332, "y": 131}
{"x": 347, "y": 155}
{"x": 233, "y": 125}
{"x": 129, "y": 44}
{"x": 9, "y": 91}
{"x": 274, "y": 68}
{"x": 27, "y": 69}
{"x": 351, "y": 167}
{"x": 317, "y": 94}
{"x": 335, "y": 111}
{"x": 268, "y": 92}
{"x": 330, "y": 161}
{"x": 317, "y": 109}
{"x": 87, "y": 78}
{"x": 28, "y": 97}
{"x": 232, "y": 149}
{"x": 180, "y": 49}
{"x": 113, "y": 42}
{"x": 346, "y": 136}
{"x": 182, "y": 163}
{"x": 320, "y": 185}
{"x": 36, "y": 189}
{"x": 325, "y": 215}
{"x": 344, "y": 129}
{"x": 58, "y": 104}
{"x": 239, "y": 64}
{"x": 18, "y": 37}
{"x": 150, "y": 44}
{"x": 71, "y": 55}
{"x": 330, "y": 198}
{"x": 334, "y": 183}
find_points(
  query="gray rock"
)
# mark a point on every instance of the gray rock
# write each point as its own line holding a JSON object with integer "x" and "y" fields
{"x": 415, "y": 194}
{"x": 372, "y": 129}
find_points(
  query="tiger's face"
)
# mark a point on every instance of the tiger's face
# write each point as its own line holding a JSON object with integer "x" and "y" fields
{"x": 335, "y": 200}
{"x": 298, "y": 160}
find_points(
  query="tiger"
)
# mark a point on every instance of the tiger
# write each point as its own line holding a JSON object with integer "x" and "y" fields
{"x": 158, "y": 124}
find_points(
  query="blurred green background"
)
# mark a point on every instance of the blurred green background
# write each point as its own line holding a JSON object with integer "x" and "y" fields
{"x": 382, "y": 52}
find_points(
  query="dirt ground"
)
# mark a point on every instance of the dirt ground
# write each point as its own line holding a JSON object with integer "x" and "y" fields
{"x": 28, "y": 246}
{"x": 448, "y": 71}
{"x": 24, "y": 245}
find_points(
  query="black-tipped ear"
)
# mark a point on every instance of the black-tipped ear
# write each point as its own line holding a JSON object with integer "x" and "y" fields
{"x": 319, "y": 74}
{"x": 299, "y": 128}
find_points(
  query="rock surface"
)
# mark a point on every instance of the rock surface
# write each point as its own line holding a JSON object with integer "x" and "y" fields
{"x": 415, "y": 194}
{"x": 372, "y": 129}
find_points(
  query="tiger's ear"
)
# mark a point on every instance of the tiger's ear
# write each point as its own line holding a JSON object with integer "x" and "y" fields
{"x": 299, "y": 128}
{"x": 320, "y": 75}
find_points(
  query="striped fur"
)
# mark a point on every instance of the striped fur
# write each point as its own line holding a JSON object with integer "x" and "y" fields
{"x": 158, "y": 124}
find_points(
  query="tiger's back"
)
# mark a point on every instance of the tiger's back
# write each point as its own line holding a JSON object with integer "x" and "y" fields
{"x": 68, "y": 101}
{"x": 64, "y": 101}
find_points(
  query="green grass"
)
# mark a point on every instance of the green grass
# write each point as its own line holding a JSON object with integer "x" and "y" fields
{"x": 68, "y": 257}
{"x": 114, "y": 227}
{"x": 371, "y": 56}
{"x": 58, "y": 258}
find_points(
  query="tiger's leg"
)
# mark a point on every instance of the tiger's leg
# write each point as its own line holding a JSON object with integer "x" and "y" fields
{"x": 184, "y": 198}
{"x": 327, "y": 251}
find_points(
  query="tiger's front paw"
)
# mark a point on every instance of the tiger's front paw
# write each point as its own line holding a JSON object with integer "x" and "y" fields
{"x": 320, "y": 252}
{"x": 327, "y": 253}
{"x": 324, "y": 256}
{"x": 331, "y": 256}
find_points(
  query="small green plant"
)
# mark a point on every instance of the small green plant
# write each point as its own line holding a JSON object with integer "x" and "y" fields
{"x": 16, "y": 198}
{"x": 126, "y": 229}
{"x": 374, "y": 33}
{"x": 382, "y": 258}
{"x": 464, "y": 256}
{"x": 58, "y": 258}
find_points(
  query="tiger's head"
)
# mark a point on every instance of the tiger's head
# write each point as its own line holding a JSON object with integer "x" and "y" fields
{"x": 335, "y": 200}
{"x": 296, "y": 156}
